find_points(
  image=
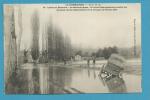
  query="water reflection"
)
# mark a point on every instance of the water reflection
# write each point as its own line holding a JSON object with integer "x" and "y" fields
{"x": 88, "y": 73}
{"x": 30, "y": 81}
{"x": 49, "y": 80}
{"x": 94, "y": 74}
{"x": 33, "y": 80}
{"x": 44, "y": 80}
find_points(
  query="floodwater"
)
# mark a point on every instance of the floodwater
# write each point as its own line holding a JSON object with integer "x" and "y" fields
{"x": 45, "y": 79}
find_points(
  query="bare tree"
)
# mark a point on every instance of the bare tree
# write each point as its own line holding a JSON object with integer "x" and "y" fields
{"x": 10, "y": 49}
{"x": 20, "y": 32}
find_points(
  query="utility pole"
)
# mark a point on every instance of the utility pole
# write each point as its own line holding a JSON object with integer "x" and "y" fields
{"x": 134, "y": 38}
{"x": 20, "y": 32}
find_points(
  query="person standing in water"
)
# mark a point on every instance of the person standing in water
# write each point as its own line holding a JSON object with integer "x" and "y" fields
{"x": 88, "y": 61}
{"x": 94, "y": 61}
{"x": 64, "y": 61}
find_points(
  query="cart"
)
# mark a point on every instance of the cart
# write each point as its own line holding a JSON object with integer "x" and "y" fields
{"x": 111, "y": 74}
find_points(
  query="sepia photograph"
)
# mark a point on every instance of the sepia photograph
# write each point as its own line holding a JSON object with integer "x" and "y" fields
{"x": 72, "y": 48}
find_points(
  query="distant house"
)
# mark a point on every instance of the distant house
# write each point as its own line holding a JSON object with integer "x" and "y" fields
{"x": 77, "y": 58}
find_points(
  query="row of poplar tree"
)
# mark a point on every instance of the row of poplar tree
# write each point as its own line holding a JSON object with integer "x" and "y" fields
{"x": 57, "y": 45}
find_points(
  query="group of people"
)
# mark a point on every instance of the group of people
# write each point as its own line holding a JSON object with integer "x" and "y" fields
{"x": 67, "y": 60}
{"x": 88, "y": 60}
{"x": 94, "y": 61}
{"x": 27, "y": 56}
{"x": 43, "y": 58}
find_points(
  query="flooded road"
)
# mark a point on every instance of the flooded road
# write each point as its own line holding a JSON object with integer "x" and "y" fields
{"x": 43, "y": 79}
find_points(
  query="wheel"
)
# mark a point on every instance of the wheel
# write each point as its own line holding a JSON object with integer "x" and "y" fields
{"x": 120, "y": 75}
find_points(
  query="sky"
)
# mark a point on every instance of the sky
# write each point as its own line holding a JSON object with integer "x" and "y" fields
{"x": 92, "y": 29}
